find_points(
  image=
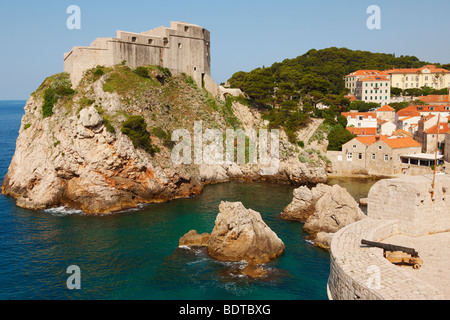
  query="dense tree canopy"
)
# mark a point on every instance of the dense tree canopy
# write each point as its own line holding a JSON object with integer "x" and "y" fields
{"x": 293, "y": 89}
{"x": 315, "y": 75}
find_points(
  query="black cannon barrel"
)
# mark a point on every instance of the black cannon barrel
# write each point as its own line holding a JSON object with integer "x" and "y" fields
{"x": 390, "y": 247}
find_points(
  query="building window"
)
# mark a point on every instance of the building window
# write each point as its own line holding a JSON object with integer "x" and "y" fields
{"x": 386, "y": 157}
{"x": 360, "y": 156}
{"x": 150, "y": 41}
{"x": 354, "y": 146}
{"x": 179, "y": 46}
{"x": 380, "y": 147}
{"x": 186, "y": 29}
{"x": 166, "y": 41}
{"x": 349, "y": 156}
{"x": 133, "y": 39}
{"x": 373, "y": 156}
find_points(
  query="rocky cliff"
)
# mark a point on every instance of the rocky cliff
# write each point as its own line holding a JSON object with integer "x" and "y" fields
{"x": 106, "y": 146}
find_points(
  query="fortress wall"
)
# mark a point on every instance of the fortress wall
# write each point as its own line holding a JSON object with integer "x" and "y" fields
{"x": 409, "y": 200}
{"x": 395, "y": 206}
{"x": 80, "y": 59}
{"x": 182, "y": 48}
{"x": 359, "y": 272}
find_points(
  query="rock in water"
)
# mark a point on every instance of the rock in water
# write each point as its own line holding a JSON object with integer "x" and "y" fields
{"x": 324, "y": 209}
{"x": 304, "y": 202}
{"x": 333, "y": 211}
{"x": 241, "y": 234}
{"x": 192, "y": 238}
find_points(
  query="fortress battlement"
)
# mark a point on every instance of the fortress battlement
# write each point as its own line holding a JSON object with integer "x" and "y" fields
{"x": 182, "y": 48}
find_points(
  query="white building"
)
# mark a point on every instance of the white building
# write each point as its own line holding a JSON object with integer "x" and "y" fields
{"x": 352, "y": 79}
{"x": 427, "y": 76}
{"x": 374, "y": 89}
{"x": 361, "y": 119}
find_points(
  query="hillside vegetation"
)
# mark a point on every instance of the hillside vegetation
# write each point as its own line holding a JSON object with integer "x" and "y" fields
{"x": 292, "y": 89}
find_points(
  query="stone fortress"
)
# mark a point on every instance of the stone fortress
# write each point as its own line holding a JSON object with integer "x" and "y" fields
{"x": 182, "y": 48}
{"x": 404, "y": 211}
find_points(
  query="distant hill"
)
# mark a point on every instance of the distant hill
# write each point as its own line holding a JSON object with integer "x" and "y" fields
{"x": 316, "y": 76}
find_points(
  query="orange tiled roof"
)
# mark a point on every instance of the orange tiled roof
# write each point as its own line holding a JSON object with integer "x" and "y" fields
{"x": 393, "y": 142}
{"x": 434, "y": 98}
{"x": 367, "y": 73}
{"x": 367, "y": 140}
{"x": 362, "y": 131}
{"x": 351, "y": 97}
{"x": 402, "y": 142}
{"x": 401, "y": 132}
{"x": 386, "y": 108}
{"x": 408, "y": 112}
{"x": 375, "y": 78}
{"x": 443, "y": 128}
{"x": 430, "y": 67}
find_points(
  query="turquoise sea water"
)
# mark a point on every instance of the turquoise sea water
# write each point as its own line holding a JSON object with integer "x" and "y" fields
{"x": 134, "y": 254}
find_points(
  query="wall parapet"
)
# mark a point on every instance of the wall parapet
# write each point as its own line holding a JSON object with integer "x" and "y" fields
{"x": 360, "y": 272}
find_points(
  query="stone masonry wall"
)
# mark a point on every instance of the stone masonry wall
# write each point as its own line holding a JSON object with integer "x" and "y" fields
{"x": 409, "y": 200}
{"x": 395, "y": 206}
{"x": 358, "y": 272}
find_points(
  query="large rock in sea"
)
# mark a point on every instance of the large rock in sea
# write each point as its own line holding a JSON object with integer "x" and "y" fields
{"x": 241, "y": 234}
{"x": 324, "y": 209}
{"x": 304, "y": 202}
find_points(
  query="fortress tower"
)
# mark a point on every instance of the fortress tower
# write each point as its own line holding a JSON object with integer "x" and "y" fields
{"x": 181, "y": 48}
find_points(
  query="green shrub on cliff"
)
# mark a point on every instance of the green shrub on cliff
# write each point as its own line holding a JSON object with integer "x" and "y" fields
{"x": 136, "y": 129}
{"x": 59, "y": 87}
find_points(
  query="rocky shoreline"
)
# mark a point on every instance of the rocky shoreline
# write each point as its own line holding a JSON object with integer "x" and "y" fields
{"x": 79, "y": 157}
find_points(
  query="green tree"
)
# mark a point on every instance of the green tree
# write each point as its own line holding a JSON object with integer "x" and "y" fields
{"x": 338, "y": 136}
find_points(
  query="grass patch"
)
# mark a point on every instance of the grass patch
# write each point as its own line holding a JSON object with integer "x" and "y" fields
{"x": 124, "y": 80}
{"x": 59, "y": 88}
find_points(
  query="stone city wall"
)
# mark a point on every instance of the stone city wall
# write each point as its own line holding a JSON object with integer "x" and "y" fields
{"x": 362, "y": 273}
{"x": 395, "y": 206}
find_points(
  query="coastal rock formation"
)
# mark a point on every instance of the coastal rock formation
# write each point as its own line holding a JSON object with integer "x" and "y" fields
{"x": 241, "y": 234}
{"x": 192, "y": 238}
{"x": 74, "y": 151}
{"x": 304, "y": 202}
{"x": 324, "y": 209}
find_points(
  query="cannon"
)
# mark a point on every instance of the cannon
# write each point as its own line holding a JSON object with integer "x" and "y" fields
{"x": 397, "y": 254}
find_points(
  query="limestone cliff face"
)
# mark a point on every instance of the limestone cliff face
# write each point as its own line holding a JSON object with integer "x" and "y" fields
{"x": 78, "y": 155}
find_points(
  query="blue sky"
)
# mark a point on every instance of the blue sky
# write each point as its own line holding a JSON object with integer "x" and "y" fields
{"x": 245, "y": 34}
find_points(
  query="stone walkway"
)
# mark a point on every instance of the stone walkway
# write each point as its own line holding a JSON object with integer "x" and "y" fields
{"x": 361, "y": 272}
{"x": 434, "y": 250}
